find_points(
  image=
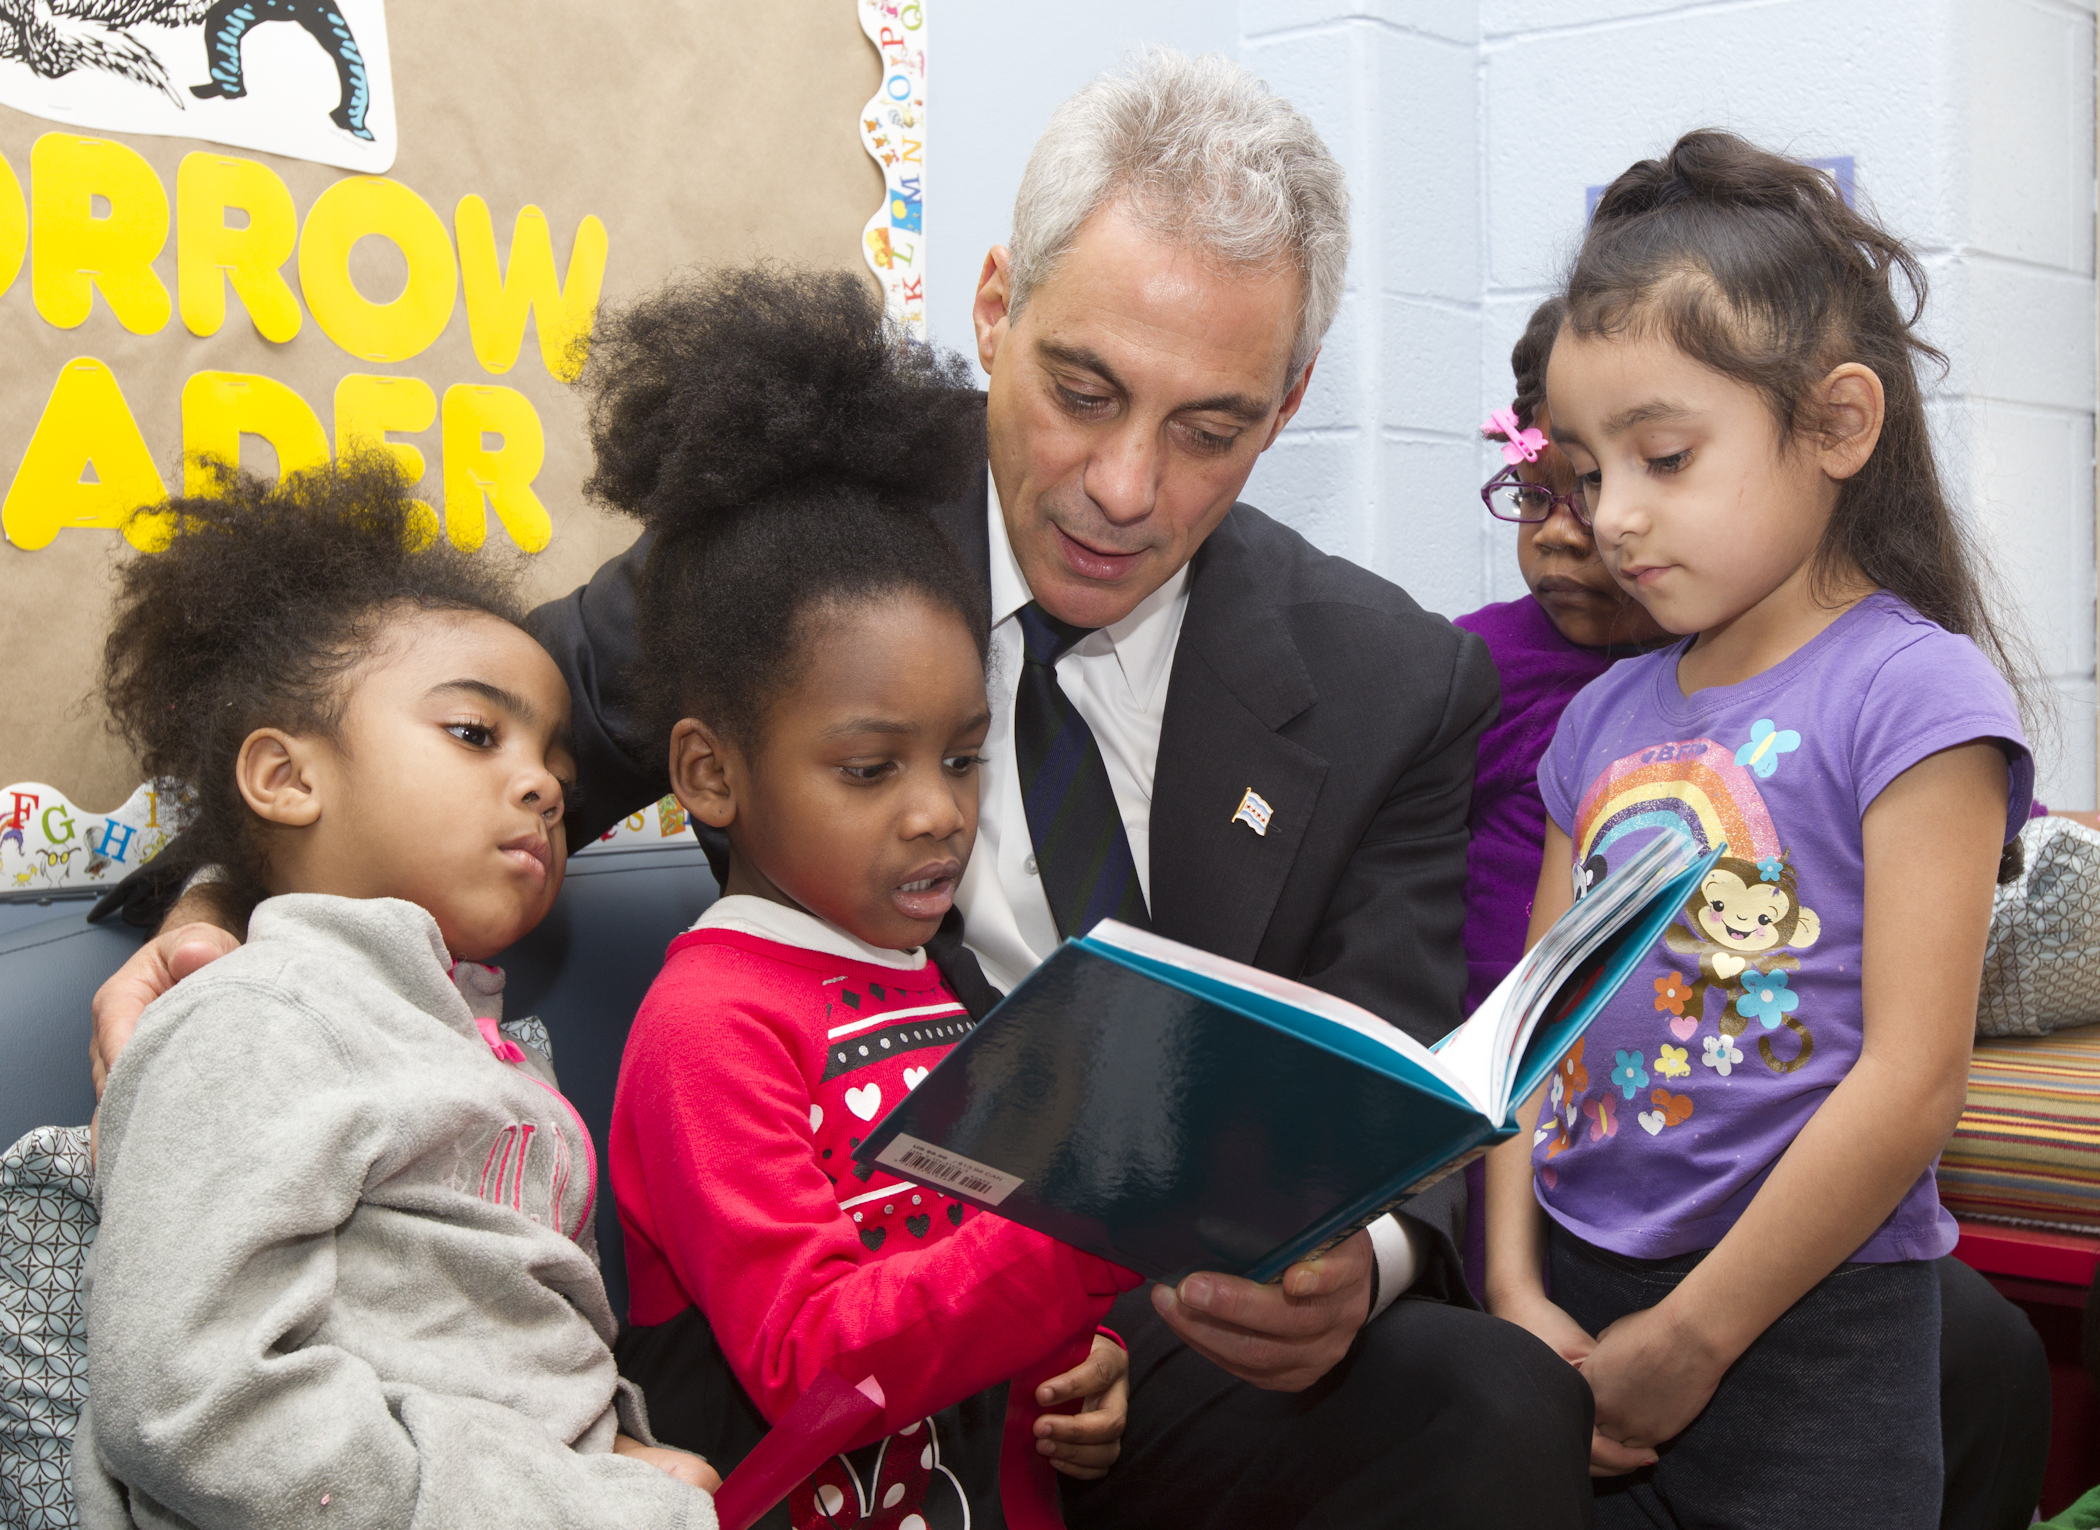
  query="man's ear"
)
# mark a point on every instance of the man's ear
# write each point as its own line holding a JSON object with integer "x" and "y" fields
{"x": 700, "y": 774}
{"x": 989, "y": 312}
{"x": 276, "y": 776}
{"x": 1291, "y": 401}
{"x": 1853, "y": 406}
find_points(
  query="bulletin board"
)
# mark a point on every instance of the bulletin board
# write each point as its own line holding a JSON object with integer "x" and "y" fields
{"x": 361, "y": 222}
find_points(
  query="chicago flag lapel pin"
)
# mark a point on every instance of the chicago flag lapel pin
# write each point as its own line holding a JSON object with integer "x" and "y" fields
{"x": 1254, "y": 812}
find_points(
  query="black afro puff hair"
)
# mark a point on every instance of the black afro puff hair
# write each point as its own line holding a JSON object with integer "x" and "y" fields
{"x": 783, "y": 444}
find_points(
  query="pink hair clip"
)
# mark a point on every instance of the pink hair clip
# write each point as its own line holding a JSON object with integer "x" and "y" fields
{"x": 1517, "y": 445}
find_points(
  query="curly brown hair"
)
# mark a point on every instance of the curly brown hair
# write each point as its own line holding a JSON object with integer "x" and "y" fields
{"x": 264, "y": 602}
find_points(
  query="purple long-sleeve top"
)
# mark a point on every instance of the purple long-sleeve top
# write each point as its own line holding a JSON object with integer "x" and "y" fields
{"x": 1541, "y": 672}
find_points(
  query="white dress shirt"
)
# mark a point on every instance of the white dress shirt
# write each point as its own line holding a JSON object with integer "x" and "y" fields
{"x": 1116, "y": 678}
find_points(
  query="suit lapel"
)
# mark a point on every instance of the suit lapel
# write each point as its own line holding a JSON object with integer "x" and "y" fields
{"x": 1237, "y": 678}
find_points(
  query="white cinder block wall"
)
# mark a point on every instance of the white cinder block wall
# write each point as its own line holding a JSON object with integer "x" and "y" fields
{"x": 1471, "y": 133}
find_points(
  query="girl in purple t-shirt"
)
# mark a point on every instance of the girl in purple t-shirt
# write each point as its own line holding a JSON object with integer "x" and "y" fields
{"x": 1735, "y": 1166}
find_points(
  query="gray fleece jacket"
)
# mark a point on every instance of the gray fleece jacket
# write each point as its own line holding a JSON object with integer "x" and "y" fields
{"x": 337, "y": 1281}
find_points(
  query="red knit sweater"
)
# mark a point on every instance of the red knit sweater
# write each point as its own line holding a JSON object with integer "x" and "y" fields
{"x": 752, "y": 1072}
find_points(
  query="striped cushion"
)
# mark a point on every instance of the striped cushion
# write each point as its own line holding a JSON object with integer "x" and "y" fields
{"x": 2028, "y": 1147}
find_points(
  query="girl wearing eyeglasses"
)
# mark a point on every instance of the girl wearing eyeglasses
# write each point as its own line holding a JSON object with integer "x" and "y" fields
{"x": 1546, "y": 645}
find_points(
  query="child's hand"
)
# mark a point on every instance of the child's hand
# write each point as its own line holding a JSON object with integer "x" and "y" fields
{"x": 1551, "y": 1326}
{"x": 688, "y": 1468}
{"x": 1651, "y": 1377}
{"x": 1085, "y": 1445}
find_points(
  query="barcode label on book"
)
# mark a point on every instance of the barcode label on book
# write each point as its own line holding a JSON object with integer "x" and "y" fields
{"x": 928, "y": 1164}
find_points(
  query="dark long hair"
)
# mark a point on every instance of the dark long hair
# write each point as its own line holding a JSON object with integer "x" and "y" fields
{"x": 1751, "y": 264}
{"x": 770, "y": 428}
{"x": 1528, "y": 358}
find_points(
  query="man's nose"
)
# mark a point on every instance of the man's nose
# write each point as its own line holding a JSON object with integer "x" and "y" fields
{"x": 1122, "y": 476}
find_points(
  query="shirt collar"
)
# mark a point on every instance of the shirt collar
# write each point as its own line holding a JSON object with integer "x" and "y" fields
{"x": 1143, "y": 642}
{"x": 767, "y": 920}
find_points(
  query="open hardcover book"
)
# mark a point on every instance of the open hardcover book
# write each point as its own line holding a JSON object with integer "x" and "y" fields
{"x": 1174, "y": 1111}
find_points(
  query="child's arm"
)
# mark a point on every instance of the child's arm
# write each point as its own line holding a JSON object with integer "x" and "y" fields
{"x": 1932, "y": 840}
{"x": 232, "y": 1382}
{"x": 1516, "y": 1223}
{"x": 714, "y": 1107}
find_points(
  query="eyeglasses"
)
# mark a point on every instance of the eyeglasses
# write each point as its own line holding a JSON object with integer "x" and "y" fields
{"x": 1510, "y": 498}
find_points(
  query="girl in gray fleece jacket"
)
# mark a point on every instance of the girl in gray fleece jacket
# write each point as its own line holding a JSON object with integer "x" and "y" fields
{"x": 344, "y": 1275}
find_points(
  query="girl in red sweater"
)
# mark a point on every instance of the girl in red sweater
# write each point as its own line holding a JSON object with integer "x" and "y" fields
{"x": 818, "y": 654}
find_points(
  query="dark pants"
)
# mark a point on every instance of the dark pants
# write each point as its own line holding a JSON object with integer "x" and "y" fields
{"x": 1440, "y": 1416}
{"x": 1832, "y": 1418}
{"x": 1994, "y": 1405}
{"x": 1994, "y": 1389}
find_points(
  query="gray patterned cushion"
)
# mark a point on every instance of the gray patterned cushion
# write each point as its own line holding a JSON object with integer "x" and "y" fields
{"x": 2041, "y": 972}
{"x": 47, "y": 1221}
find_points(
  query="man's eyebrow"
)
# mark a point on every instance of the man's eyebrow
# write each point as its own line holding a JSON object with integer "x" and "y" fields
{"x": 1238, "y": 406}
{"x": 495, "y": 695}
{"x": 1086, "y": 360}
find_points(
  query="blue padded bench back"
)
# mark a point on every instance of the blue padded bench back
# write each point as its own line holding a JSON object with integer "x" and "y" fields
{"x": 583, "y": 972}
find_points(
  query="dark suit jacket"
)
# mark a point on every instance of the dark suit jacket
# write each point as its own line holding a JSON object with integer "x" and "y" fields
{"x": 1351, "y": 711}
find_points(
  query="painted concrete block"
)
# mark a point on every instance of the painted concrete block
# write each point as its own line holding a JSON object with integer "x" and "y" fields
{"x": 1430, "y": 351}
{"x": 2028, "y": 333}
{"x": 1428, "y": 522}
{"x": 2028, "y": 94}
{"x": 1565, "y": 111}
{"x": 1334, "y": 399}
{"x": 1430, "y": 18}
{"x": 2062, "y": 740}
{"x": 1423, "y": 212}
{"x": 2031, "y": 497}
{"x": 1315, "y": 482}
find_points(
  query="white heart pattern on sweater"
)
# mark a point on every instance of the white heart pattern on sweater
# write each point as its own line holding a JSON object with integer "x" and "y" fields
{"x": 865, "y": 1101}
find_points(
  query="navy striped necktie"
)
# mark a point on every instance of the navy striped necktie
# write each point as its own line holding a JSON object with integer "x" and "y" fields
{"x": 1081, "y": 851}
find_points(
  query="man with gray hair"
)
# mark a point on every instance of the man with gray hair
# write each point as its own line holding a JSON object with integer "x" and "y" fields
{"x": 1204, "y": 724}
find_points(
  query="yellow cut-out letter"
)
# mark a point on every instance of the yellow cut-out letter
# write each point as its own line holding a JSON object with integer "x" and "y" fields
{"x": 14, "y": 226}
{"x": 76, "y": 252}
{"x": 218, "y": 408}
{"x": 208, "y": 253}
{"x": 499, "y": 302}
{"x": 504, "y": 475}
{"x": 367, "y": 407}
{"x": 86, "y": 466}
{"x": 344, "y": 214}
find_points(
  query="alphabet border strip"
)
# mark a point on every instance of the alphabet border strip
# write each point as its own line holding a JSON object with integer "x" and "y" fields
{"x": 893, "y": 131}
{"x": 49, "y": 843}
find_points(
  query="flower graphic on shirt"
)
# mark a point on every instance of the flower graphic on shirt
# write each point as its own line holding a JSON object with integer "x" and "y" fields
{"x": 1673, "y": 1062}
{"x": 1629, "y": 1075}
{"x": 1766, "y": 745}
{"x": 1672, "y": 993}
{"x": 1721, "y": 1054}
{"x": 1770, "y": 868}
{"x": 1570, "y": 1078}
{"x": 1599, "y": 1111}
{"x": 1766, "y": 998}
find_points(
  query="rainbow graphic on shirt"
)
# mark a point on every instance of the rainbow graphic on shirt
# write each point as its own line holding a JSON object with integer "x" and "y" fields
{"x": 1691, "y": 785}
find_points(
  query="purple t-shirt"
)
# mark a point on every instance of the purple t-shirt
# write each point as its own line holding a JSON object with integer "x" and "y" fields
{"x": 1540, "y": 671}
{"x": 1699, "y": 1074}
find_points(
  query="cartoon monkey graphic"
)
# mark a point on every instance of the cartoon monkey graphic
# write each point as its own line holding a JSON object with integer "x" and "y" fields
{"x": 1741, "y": 917}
